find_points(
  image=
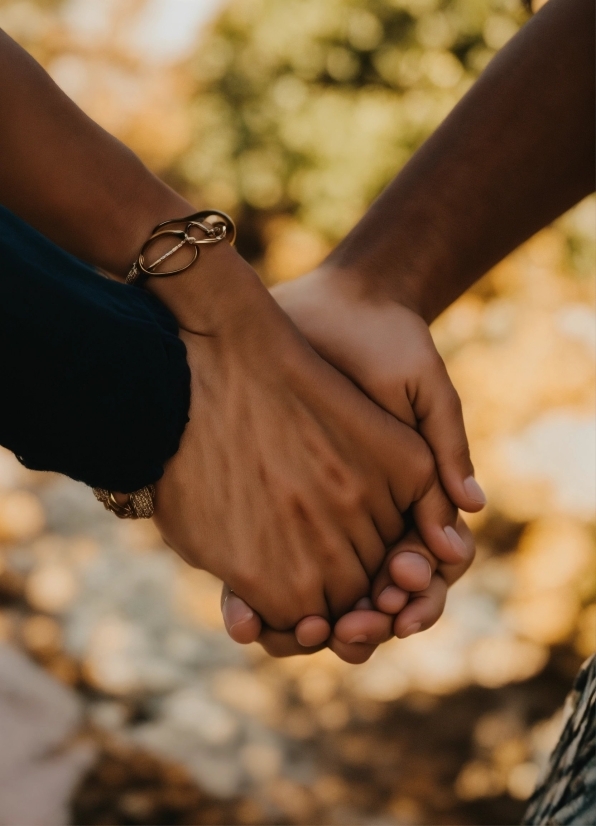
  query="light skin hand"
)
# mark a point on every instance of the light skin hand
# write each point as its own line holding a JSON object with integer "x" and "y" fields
{"x": 387, "y": 350}
{"x": 419, "y": 610}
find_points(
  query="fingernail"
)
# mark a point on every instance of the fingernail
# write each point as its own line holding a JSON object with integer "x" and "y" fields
{"x": 235, "y": 611}
{"x": 456, "y": 542}
{"x": 474, "y": 491}
{"x": 411, "y": 629}
{"x": 358, "y": 638}
{"x": 411, "y": 571}
{"x": 391, "y": 599}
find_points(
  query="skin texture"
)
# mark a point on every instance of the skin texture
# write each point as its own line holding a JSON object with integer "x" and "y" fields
{"x": 302, "y": 479}
{"x": 464, "y": 201}
{"x": 514, "y": 154}
{"x": 289, "y": 482}
{"x": 423, "y": 590}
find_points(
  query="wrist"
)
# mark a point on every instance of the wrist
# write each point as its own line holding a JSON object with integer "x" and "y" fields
{"x": 133, "y": 231}
{"x": 215, "y": 293}
{"x": 360, "y": 285}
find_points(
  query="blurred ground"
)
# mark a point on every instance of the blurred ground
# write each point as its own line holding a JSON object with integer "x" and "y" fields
{"x": 161, "y": 718}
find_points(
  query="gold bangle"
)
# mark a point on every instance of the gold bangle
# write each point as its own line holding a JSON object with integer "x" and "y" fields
{"x": 214, "y": 232}
{"x": 140, "y": 504}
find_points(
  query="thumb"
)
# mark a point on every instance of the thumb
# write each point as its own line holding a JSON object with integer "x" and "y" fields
{"x": 438, "y": 410}
{"x": 241, "y": 622}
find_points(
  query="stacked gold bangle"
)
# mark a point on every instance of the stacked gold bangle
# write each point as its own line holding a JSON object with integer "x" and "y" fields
{"x": 140, "y": 504}
{"x": 215, "y": 226}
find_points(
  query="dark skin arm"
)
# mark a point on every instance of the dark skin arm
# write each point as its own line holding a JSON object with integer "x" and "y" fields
{"x": 67, "y": 176}
{"x": 512, "y": 156}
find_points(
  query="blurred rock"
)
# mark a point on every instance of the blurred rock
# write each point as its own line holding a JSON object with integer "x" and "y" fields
{"x": 52, "y": 587}
{"x": 192, "y": 710}
{"x": 38, "y": 770}
{"x": 496, "y": 661}
{"x": 21, "y": 516}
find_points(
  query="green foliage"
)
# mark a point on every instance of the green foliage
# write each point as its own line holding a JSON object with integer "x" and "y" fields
{"x": 309, "y": 107}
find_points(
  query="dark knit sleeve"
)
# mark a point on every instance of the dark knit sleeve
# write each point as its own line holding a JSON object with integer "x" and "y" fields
{"x": 93, "y": 375}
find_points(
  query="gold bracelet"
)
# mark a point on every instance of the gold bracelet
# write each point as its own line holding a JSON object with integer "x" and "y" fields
{"x": 214, "y": 232}
{"x": 140, "y": 504}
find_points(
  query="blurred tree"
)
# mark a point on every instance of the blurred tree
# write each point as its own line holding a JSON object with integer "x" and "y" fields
{"x": 308, "y": 109}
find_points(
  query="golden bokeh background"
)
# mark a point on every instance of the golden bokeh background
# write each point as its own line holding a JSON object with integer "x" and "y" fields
{"x": 293, "y": 115}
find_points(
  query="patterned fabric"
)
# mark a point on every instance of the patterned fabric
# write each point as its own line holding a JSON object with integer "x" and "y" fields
{"x": 566, "y": 794}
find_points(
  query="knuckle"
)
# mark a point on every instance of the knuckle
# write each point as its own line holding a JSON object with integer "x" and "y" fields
{"x": 425, "y": 470}
{"x": 345, "y": 486}
{"x": 330, "y": 553}
{"x": 354, "y": 494}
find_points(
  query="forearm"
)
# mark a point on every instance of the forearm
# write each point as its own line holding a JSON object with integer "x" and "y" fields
{"x": 67, "y": 176}
{"x": 87, "y": 192}
{"x": 516, "y": 152}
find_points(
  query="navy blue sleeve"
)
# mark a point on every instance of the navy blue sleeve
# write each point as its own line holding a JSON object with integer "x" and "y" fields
{"x": 94, "y": 377}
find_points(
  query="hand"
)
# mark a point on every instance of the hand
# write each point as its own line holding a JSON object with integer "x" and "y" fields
{"x": 387, "y": 350}
{"x": 289, "y": 483}
{"x": 419, "y": 589}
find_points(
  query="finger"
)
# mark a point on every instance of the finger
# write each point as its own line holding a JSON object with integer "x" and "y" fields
{"x": 407, "y": 567}
{"x": 436, "y": 519}
{"x": 299, "y": 593}
{"x": 423, "y": 610}
{"x": 387, "y": 519}
{"x": 312, "y": 631}
{"x": 415, "y": 485}
{"x": 451, "y": 573}
{"x": 370, "y": 548}
{"x": 241, "y": 622}
{"x": 440, "y": 420}
{"x": 355, "y": 653}
{"x": 284, "y": 644}
{"x": 346, "y": 583}
{"x": 244, "y": 625}
{"x": 363, "y": 627}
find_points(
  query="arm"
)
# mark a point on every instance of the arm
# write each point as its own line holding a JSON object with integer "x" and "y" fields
{"x": 514, "y": 154}
{"x": 69, "y": 178}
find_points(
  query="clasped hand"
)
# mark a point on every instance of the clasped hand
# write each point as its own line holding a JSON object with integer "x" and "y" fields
{"x": 295, "y": 486}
